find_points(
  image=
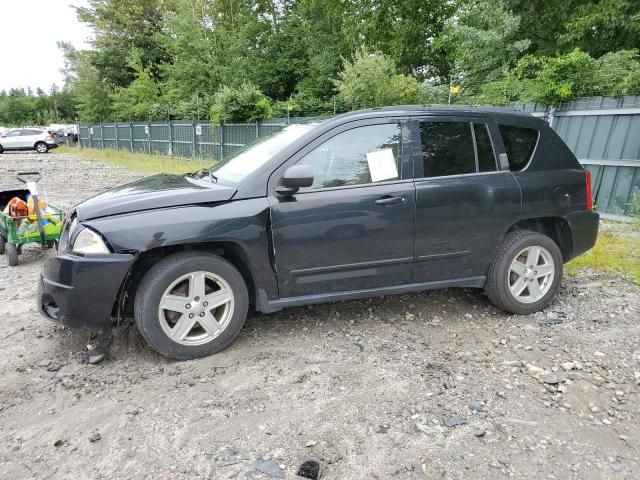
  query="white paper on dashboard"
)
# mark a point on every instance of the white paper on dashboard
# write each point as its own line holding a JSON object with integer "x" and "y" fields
{"x": 382, "y": 165}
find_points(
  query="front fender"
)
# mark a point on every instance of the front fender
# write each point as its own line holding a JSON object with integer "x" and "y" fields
{"x": 243, "y": 223}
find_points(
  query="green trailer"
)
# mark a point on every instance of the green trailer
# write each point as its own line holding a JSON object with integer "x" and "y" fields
{"x": 43, "y": 227}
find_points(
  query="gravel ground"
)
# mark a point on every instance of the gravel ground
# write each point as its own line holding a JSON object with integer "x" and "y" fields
{"x": 432, "y": 385}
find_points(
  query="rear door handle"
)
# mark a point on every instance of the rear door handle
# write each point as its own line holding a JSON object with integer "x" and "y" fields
{"x": 388, "y": 200}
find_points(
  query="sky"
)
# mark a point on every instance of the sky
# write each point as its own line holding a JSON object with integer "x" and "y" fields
{"x": 29, "y": 31}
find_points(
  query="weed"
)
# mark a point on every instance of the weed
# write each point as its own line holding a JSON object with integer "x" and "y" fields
{"x": 140, "y": 162}
{"x": 612, "y": 254}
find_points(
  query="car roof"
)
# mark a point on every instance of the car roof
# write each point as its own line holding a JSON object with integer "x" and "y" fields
{"x": 437, "y": 109}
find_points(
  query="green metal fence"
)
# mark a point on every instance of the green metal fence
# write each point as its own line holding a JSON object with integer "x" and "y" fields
{"x": 603, "y": 132}
{"x": 175, "y": 138}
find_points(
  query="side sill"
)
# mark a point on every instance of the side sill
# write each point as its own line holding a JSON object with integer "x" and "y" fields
{"x": 265, "y": 305}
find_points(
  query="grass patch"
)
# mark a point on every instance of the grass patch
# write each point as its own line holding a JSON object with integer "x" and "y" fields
{"x": 611, "y": 254}
{"x": 140, "y": 162}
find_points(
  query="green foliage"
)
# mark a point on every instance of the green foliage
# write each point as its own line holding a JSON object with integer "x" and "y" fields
{"x": 403, "y": 30}
{"x": 433, "y": 94}
{"x": 598, "y": 27}
{"x": 484, "y": 42}
{"x": 550, "y": 80}
{"x": 120, "y": 29}
{"x": 371, "y": 80}
{"x": 301, "y": 105}
{"x": 158, "y": 59}
{"x": 616, "y": 73}
{"x": 138, "y": 100}
{"x": 19, "y": 107}
{"x": 243, "y": 104}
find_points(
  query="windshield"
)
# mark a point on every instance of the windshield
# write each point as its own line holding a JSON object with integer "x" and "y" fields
{"x": 237, "y": 167}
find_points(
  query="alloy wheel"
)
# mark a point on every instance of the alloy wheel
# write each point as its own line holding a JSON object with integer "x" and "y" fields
{"x": 196, "y": 308}
{"x": 531, "y": 274}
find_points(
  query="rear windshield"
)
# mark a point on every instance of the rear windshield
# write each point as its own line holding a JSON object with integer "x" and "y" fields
{"x": 519, "y": 142}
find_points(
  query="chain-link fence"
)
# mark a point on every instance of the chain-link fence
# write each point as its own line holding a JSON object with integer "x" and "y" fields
{"x": 176, "y": 138}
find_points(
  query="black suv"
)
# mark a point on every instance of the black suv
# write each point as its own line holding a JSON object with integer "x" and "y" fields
{"x": 374, "y": 202}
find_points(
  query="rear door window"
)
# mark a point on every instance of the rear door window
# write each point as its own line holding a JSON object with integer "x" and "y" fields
{"x": 447, "y": 149}
{"x": 484, "y": 147}
{"x": 519, "y": 142}
{"x": 456, "y": 148}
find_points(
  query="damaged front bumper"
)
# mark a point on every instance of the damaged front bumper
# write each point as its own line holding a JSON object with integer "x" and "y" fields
{"x": 80, "y": 291}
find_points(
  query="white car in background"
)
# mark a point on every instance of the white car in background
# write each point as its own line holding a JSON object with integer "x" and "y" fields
{"x": 28, "y": 139}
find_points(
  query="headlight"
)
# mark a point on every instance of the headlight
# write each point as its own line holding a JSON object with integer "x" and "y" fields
{"x": 89, "y": 241}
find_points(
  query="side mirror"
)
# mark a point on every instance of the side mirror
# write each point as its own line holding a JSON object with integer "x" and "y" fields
{"x": 294, "y": 178}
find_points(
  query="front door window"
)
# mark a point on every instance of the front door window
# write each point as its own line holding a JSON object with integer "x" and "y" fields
{"x": 358, "y": 156}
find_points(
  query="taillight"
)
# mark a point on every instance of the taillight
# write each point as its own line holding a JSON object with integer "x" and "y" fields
{"x": 587, "y": 179}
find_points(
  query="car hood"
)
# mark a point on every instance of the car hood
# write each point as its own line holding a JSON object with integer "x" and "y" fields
{"x": 148, "y": 193}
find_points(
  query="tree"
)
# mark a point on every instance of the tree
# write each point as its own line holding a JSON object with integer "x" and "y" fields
{"x": 120, "y": 28}
{"x": 85, "y": 87}
{"x": 139, "y": 100}
{"x": 404, "y": 30}
{"x": 371, "y": 80}
{"x": 483, "y": 43}
{"x": 598, "y": 27}
{"x": 243, "y": 104}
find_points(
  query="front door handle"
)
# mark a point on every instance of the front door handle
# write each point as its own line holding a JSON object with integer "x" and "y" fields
{"x": 389, "y": 200}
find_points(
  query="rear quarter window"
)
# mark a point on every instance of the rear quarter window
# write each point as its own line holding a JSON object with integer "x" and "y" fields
{"x": 519, "y": 142}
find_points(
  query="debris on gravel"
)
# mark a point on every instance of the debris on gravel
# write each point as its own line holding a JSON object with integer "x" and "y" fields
{"x": 270, "y": 467}
{"x": 310, "y": 469}
{"x": 370, "y": 383}
{"x": 96, "y": 355}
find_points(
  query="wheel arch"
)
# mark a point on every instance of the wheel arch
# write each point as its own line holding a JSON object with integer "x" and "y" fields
{"x": 230, "y": 251}
{"x": 556, "y": 228}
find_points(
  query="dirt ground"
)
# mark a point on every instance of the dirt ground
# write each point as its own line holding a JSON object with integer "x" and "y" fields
{"x": 432, "y": 385}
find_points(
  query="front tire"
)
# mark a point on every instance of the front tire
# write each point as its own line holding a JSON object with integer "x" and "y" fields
{"x": 42, "y": 147}
{"x": 3, "y": 243}
{"x": 191, "y": 305}
{"x": 526, "y": 272}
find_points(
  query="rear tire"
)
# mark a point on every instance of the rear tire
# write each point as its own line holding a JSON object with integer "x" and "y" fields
{"x": 11, "y": 251}
{"x": 42, "y": 147}
{"x": 3, "y": 243}
{"x": 525, "y": 274}
{"x": 190, "y": 284}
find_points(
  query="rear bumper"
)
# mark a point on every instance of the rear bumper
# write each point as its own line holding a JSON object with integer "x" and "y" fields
{"x": 81, "y": 291}
{"x": 584, "y": 231}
